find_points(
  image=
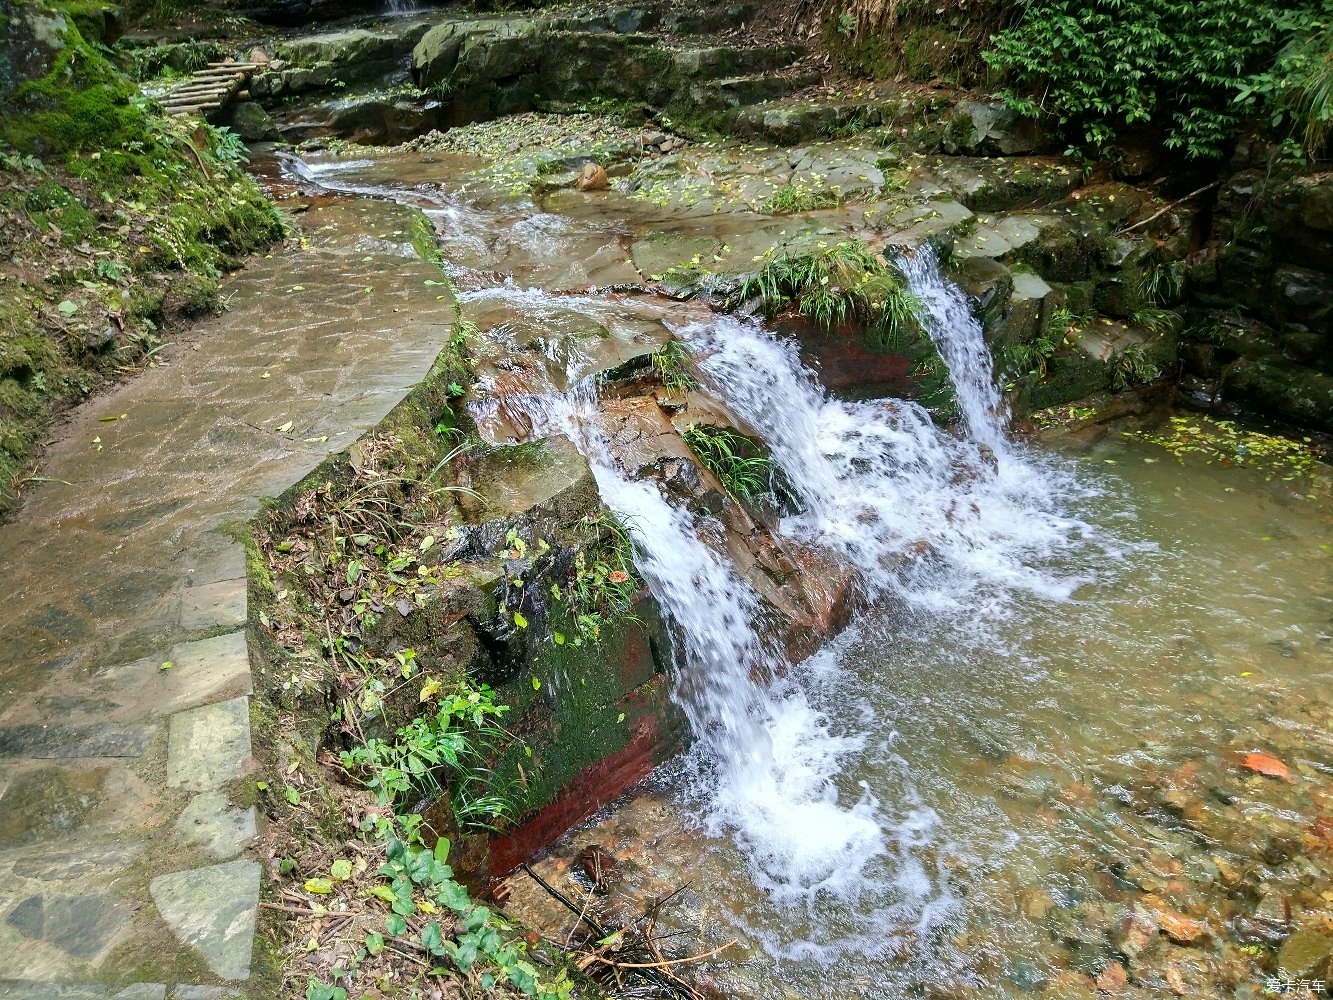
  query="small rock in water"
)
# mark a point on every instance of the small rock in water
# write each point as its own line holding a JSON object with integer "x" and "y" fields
{"x": 1305, "y": 954}
{"x": 1138, "y": 932}
{"x": 1113, "y": 979}
{"x": 593, "y": 178}
{"x": 1272, "y": 909}
{"x": 1180, "y": 928}
{"x": 1266, "y": 764}
{"x": 601, "y": 867}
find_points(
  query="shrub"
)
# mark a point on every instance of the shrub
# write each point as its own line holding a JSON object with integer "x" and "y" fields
{"x": 1193, "y": 70}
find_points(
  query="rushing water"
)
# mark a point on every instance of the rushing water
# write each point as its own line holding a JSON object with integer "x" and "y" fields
{"x": 926, "y": 518}
{"x": 1022, "y": 637}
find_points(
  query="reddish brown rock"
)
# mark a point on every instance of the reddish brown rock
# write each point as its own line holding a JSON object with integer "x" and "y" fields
{"x": 1261, "y": 762}
{"x": 593, "y": 178}
{"x": 1113, "y": 979}
{"x": 1180, "y": 928}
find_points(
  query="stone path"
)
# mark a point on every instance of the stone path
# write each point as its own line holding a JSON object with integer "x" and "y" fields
{"x": 123, "y": 866}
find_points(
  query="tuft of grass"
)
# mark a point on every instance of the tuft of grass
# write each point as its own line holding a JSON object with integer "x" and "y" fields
{"x": 744, "y": 472}
{"x": 788, "y": 199}
{"x": 673, "y": 367}
{"x": 838, "y": 283}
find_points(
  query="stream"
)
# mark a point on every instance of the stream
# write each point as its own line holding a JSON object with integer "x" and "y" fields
{"x": 1030, "y": 728}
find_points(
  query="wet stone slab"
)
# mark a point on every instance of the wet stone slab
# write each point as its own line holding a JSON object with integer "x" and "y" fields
{"x": 49, "y": 802}
{"x": 97, "y": 861}
{"x": 214, "y": 605}
{"x": 213, "y": 910}
{"x": 46, "y": 742}
{"x": 208, "y": 746}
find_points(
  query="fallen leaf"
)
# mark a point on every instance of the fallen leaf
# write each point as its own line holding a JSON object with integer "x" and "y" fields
{"x": 285, "y": 427}
{"x": 1266, "y": 764}
{"x": 166, "y": 665}
{"x": 341, "y": 870}
{"x": 265, "y": 375}
{"x": 321, "y": 886}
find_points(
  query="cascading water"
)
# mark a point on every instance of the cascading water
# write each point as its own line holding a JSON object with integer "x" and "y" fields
{"x": 958, "y": 337}
{"x": 926, "y": 518}
{"x": 879, "y": 480}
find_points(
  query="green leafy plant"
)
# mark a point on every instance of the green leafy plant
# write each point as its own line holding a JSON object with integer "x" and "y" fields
{"x": 1018, "y": 362}
{"x": 446, "y": 751}
{"x": 1101, "y": 66}
{"x": 603, "y": 584}
{"x": 835, "y": 284}
{"x": 1132, "y": 367}
{"x": 227, "y": 147}
{"x": 744, "y": 472}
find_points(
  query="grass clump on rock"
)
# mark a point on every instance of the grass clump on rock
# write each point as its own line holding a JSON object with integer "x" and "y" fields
{"x": 835, "y": 284}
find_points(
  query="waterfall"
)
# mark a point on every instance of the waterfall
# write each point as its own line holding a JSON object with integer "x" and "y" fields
{"x": 958, "y": 337}
{"x": 928, "y": 516}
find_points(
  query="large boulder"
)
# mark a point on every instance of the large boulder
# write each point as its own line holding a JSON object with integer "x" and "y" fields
{"x": 990, "y": 129}
{"x": 57, "y": 92}
{"x": 380, "y": 119}
{"x": 340, "y": 48}
{"x": 476, "y": 52}
{"x": 252, "y": 123}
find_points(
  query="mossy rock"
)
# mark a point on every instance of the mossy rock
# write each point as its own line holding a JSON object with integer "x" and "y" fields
{"x": 62, "y": 93}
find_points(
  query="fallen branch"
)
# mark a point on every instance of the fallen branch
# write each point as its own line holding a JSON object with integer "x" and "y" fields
{"x": 1159, "y": 214}
{"x": 665, "y": 961}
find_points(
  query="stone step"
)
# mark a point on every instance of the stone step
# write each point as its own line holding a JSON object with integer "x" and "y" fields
{"x": 742, "y": 91}
{"x": 723, "y": 61}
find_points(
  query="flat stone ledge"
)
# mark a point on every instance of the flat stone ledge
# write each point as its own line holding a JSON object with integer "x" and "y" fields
{"x": 219, "y": 829}
{"x": 214, "y": 605}
{"x": 214, "y": 911}
{"x": 208, "y": 746}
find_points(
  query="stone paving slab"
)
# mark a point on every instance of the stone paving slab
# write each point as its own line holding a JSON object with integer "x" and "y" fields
{"x": 45, "y": 742}
{"x": 214, "y": 911}
{"x": 119, "y": 564}
{"x": 219, "y": 829}
{"x": 214, "y": 605}
{"x": 209, "y": 746}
